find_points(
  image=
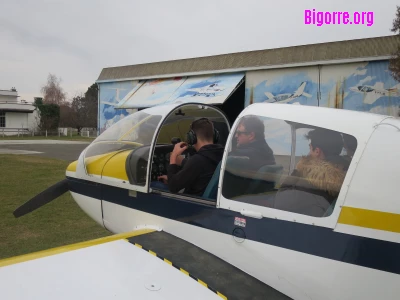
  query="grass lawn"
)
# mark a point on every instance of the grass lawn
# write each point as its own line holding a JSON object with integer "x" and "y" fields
{"x": 58, "y": 223}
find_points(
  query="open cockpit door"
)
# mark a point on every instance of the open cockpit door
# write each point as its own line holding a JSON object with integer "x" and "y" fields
{"x": 289, "y": 163}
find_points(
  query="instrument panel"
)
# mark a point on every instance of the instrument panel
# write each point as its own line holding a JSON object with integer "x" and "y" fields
{"x": 137, "y": 163}
{"x": 160, "y": 162}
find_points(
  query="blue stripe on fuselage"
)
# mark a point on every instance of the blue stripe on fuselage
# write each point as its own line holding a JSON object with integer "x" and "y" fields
{"x": 314, "y": 240}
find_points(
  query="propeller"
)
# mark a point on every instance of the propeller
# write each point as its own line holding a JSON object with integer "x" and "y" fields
{"x": 43, "y": 198}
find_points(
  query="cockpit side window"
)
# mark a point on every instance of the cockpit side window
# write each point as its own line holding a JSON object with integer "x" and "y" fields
{"x": 287, "y": 166}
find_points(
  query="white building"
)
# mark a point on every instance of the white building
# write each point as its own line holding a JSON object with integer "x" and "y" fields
{"x": 15, "y": 116}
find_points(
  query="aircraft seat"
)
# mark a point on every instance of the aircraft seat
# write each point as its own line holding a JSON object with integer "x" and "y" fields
{"x": 237, "y": 176}
{"x": 265, "y": 179}
{"x": 212, "y": 187}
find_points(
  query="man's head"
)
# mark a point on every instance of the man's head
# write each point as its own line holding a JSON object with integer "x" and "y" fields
{"x": 324, "y": 143}
{"x": 204, "y": 133}
{"x": 250, "y": 129}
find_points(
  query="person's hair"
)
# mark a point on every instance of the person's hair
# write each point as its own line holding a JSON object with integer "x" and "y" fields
{"x": 204, "y": 129}
{"x": 253, "y": 124}
{"x": 330, "y": 142}
{"x": 350, "y": 142}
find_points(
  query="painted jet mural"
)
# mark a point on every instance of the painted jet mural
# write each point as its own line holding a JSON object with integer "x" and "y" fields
{"x": 284, "y": 98}
{"x": 373, "y": 93}
{"x": 117, "y": 98}
{"x": 207, "y": 91}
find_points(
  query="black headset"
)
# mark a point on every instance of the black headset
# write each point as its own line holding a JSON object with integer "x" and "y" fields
{"x": 191, "y": 135}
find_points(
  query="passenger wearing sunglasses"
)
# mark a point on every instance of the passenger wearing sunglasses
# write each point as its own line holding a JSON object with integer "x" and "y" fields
{"x": 251, "y": 143}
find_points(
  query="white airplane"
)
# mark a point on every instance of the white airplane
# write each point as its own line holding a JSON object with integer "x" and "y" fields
{"x": 117, "y": 98}
{"x": 284, "y": 98}
{"x": 221, "y": 244}
{"x": 373, "y": 93}
{"x": 208, "y": 91}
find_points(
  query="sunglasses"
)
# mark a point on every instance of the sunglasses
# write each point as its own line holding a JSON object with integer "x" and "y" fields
{"x": 238, "y": 132}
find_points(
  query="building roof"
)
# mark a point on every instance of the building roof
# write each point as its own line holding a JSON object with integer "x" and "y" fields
{"x": 324, "y": 53}
{"x": 8, "y": 93}
{"x": 17, "y": 107}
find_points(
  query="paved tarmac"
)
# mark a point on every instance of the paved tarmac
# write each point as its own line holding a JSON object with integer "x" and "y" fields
{"x": 65, "y": 150}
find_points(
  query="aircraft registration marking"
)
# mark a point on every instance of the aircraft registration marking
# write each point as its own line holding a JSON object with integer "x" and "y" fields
{"x": 180, "y": 269}
{"x": 240, "y": 222}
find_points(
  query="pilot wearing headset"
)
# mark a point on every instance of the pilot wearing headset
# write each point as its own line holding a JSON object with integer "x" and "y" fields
{"x": 196, "y": 171}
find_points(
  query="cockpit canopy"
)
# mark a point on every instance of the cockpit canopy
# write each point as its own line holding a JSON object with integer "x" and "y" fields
{"x": 126, "y": 146}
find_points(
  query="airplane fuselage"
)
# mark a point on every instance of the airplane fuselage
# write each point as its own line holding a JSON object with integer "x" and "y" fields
{"x": 371, "y": 90}
{"x": 301, "y": 268}
{"x": 204, "y": 95}
{"x": 282, "y": 97}
{"x": 340, "y": 256}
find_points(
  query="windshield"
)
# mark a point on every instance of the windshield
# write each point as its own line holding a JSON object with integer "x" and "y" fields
{"x": 130, "y": 133}
{"x": 138, "y": 127}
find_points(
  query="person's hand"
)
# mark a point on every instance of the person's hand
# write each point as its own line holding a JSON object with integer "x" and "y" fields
{"x": 179, "y": 159}
{"x": 178, "y": 150}
{"x": 163, "y": 178}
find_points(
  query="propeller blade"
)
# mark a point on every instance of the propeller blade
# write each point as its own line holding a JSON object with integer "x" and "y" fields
{"x": 43, "y": 198}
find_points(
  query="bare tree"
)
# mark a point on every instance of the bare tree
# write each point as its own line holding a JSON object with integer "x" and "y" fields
{"x": 52, "y": 91}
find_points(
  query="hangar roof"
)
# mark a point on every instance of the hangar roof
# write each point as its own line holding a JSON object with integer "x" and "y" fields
{"x": 368, "y": 49}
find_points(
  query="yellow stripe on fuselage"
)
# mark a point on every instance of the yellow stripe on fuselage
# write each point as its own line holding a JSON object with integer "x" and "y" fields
{"x": 72, "y": 166}
{"x": 95, "y": 164}
{"x": 115, "y": 167}
{"x": 370, "y": 219}
{"x": 62, "y": 249}
{"x": 111, "y": 164}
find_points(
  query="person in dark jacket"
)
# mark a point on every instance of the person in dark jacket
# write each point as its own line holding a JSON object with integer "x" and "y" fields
{"x": 196, "y": 171}
{"x": 251, "y": 143}
{"x": 251, "y": 153}
{"x": 316, "y": 182}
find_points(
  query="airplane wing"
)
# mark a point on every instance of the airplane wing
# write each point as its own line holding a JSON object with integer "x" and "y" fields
{"x": 143, "y": 264}
{"x": 269, "y": 95}
{"x": 300, "y": 90}
{"x": 370, "y": 98}
{"x": 394, "y": 88}
{"x": 108, "y": 268}
{"x": 109, "y": 103}
{"x": 195, "y": 90}
{"x": 379, "y": 86}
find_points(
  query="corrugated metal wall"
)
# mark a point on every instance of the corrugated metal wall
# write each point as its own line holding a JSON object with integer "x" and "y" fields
{"x": 367, "y": 87}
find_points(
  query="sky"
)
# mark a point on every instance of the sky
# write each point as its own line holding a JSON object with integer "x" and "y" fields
{"x": 75, "y": 40}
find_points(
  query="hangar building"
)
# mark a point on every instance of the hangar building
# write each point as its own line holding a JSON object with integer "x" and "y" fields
{"x": 351, "y": 74}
